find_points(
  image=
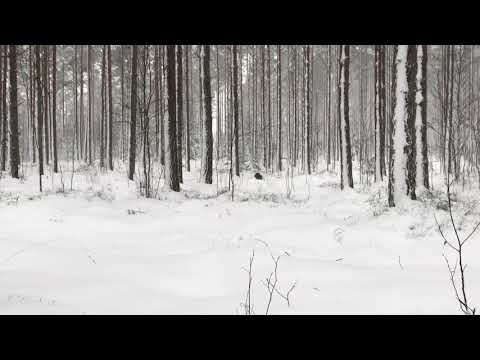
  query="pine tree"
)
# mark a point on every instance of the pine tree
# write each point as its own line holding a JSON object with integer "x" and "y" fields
{"x": 207, "y": 100}
{"x": 235, "y": 109}
{"x": 39, "y": 114}
{"x": 133, "y": 113}
{"x": 171, "y": 161}
{"x": 54, "y": 107}
{"x": 110, "y": 109}
{"x": 14, "y": 146}
{"x": 346, "y": 152}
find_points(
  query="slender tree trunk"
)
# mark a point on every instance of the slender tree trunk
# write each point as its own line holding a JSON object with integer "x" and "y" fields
{"x": 392, "y": 127}
{"x": 235, "y": 109}
{"x": 208, "y": 136}
{"x": 162, "y": 123}
{"x": 102, "y": 117}
{"x": 14, "y": 146}
{"x": 39, "y": 114}
{"x": 110, "y": 109}
{"x": 187, "y": 103}
{"x": 4, "y": 107}
{"x": 88, "y": 132}
{"x": 156, "y": 65}
{"x": 171, "y": 169}
{"x": 344, "y": 116}
{"x": 133, "y": 114}
{"x": 45, "y": 101}
{"x": 423, "y": 105}
{"x": 308, "y": 138}
{"x": 410, "y": 125}
{"x": 54, "y": 107}
{"x": 179, "y": 112}
{"x": 122, "y": 81}
{"x": 76, "y": 137}
{"x": 279, "y": 91}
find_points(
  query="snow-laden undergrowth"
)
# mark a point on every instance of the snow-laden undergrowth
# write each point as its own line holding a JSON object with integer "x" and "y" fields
{"x": 102, "y": 248}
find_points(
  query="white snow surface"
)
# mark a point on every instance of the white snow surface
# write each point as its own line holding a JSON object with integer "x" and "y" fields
{"x": 86, "y": 252}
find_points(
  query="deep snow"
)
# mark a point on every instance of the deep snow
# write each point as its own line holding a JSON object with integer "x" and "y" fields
{"x": 103, "y": 249}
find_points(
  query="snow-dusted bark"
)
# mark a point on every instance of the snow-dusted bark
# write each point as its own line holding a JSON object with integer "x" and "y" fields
{"x": 346, "y": 178}
{"x": 391, "y": 152}
{"x": 411, "y": 137}
{"x": 378, "y": 174}
{"x": 207, "y": 100}
{"x": 399, "y": 122}
{"x": 424, "y": 149}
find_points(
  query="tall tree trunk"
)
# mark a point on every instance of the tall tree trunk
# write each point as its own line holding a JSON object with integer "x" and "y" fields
{"x": 269, "y": 75}
{"x": 345, "y": 144}
{"x": 45, "y": 101}
{"x": 39, "y": 114}
{"x": 171, "y": 169}
{"x": 235, "y": 108}
{"x": 179, "y": 112}
{"x": 156, "y": 89}
{"x": 382, "y": 112}
{"x": 410, "y": 125}
{"x": 423, "y": 106}
{"x": 208, "y": 136}
{"x": 392, "y": 126}
{"x": 88, "y": 132}
{"x": 420, "y": 122}
{"x": 4, "y": 106}
{"x": 122, "y": 101}
{"x": 279, "y": 91}
{"x": 329, "y": 105}
{"x": 162, "y": 123}
{"x": 133, "y": 114}
{"x": 402, "y": 127}
{"x": 54, "y": 107}
{"x": 110, "y": 109}
{"x": 32, "y": 99}
{"x": 187, "y": 103}
{"x": 14, "y": 146}
{"x": 308, "y": 110}
{"x": 102, "y": 116}
{"x": 76, "y": 134}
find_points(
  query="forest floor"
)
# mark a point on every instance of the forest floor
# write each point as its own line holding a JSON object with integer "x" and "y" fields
{"x": 101, "y": 248}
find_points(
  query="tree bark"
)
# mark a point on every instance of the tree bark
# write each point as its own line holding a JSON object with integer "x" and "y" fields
{"x": 171, "y": 168}
{"x": 110, "y": 109}
{"x": 345, "y": 144}
{"x": 54, "y": 107}
{"x": 235, "y": 108}
{"x": 208, "y": 136}
{"x": 14, "y": 146}
{"x": 133, "y": 113}
{"x": 39, "y": 114}
{"x": 179, "y": 113}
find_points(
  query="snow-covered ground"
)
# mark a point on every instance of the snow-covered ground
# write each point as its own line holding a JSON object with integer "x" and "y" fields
{"x": 104, "y": 249}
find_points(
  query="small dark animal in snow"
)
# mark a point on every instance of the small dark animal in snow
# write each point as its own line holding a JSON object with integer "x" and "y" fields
{"x": 258, "y": 176}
